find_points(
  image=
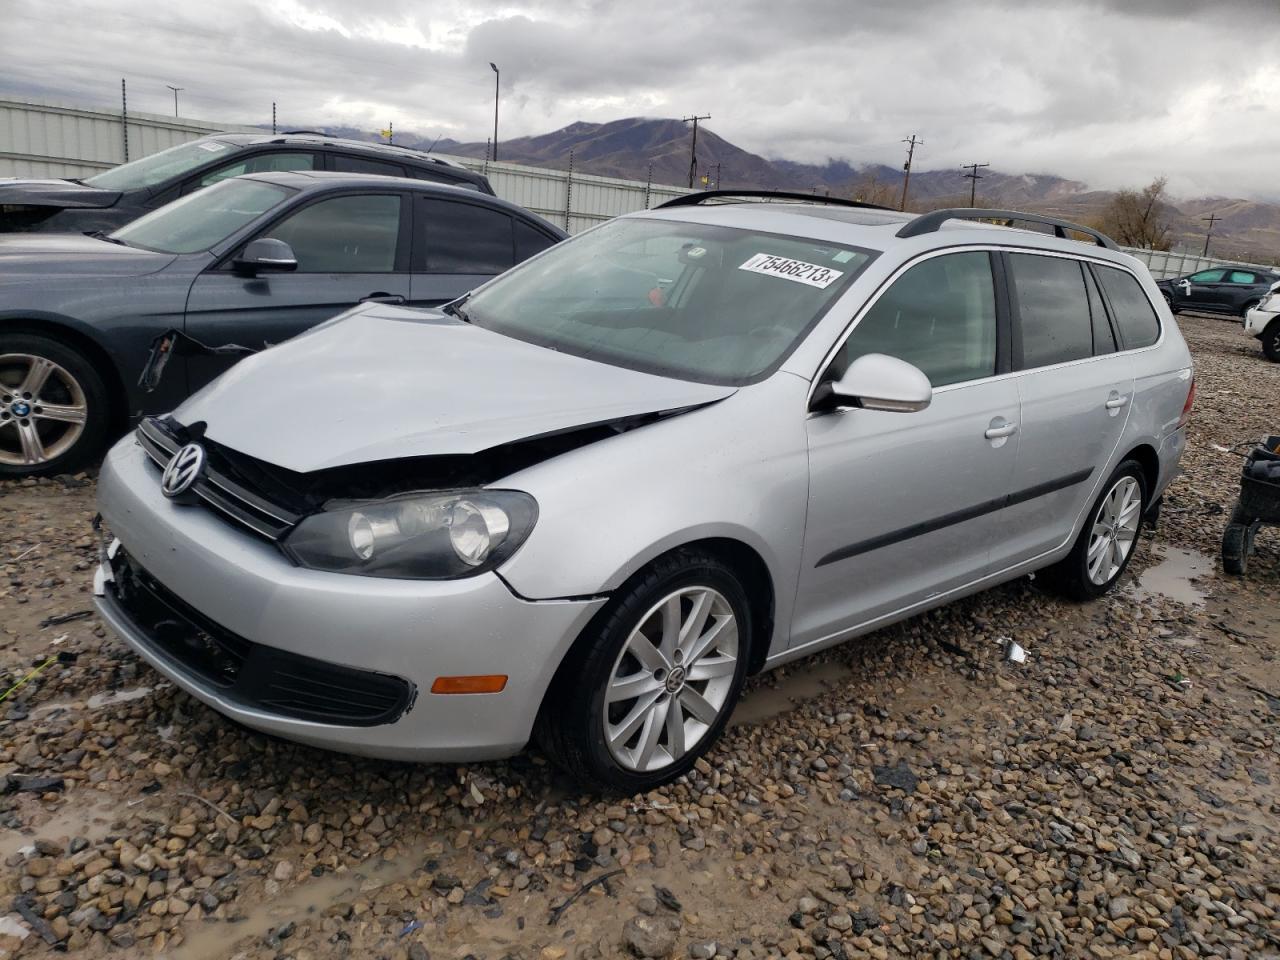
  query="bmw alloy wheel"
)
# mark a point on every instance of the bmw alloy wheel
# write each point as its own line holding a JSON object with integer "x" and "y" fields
{"x": 672, "y": 679}
{"x": 1115, "y": 528}
{"x": 42, "y": 409}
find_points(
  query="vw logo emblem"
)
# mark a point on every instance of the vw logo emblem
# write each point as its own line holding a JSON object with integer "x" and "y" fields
{"x": 183, "y": 470}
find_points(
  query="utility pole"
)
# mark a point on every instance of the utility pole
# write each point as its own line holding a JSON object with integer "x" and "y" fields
{"x": 175, "y": 96}
{"x": 273, "y": 118}
{"x": 973, "y": 176}
{"x": 124, "y": 117}
{"x": 1211, "y": 219}
{"x": 717, "y": 174}
{"x": 497, "y": 79}
{"x": 911, "y": 143}
{"x": 693, "y": 147}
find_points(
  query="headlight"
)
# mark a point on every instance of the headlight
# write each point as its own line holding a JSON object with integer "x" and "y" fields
{"x": 1265, "y": 302}
{"x": 416, "y": 536}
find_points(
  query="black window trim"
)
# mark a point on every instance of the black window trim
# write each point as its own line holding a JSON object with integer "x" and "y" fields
{"x": 1094, "y": 283}
{"x": 223, "y": 263}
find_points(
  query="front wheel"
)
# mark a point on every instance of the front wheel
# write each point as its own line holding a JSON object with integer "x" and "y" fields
{"x": 651, "y": 684}
{"x": 1237, "y": 542}
{"x": 1271, "y": 341}
{"x": 53, "y": 406}
{"x": 1105, "y": 545}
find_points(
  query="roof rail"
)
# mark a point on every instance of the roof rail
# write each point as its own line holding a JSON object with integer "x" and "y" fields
{"x": 930, "y": 222}
{"x": 312, "y": 133}
{"x": 693, "y": 199}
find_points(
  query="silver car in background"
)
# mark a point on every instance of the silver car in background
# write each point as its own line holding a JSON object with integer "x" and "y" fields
{"x": 583, "y": 503}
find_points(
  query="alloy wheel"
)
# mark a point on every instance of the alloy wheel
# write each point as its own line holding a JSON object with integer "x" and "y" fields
{"x": 42, "y": 409}
{"x": 671, "y": 680}
{"x": 1115, "y": 528}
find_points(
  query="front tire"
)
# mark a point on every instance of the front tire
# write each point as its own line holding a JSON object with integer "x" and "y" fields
{"x": 1237, "y": 542}
{"x": 1271, "y": 341}
{"x": 652, "y": 682}
{"x": 1105, "y": 545}
{"x": 53, "y": 407}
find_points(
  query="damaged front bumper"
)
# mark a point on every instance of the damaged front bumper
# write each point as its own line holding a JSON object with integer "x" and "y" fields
{"x": 226, "y": 617}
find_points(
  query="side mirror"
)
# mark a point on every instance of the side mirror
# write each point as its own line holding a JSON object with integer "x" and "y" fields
{"x": 265, "y": 255}
{"x": 876, "y": 381}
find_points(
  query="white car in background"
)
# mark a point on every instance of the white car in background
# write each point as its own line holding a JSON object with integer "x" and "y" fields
{"x": 1263, "y": 321}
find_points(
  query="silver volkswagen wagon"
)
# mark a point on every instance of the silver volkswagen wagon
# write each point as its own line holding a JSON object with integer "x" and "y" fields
{"x": 583, "y": 503}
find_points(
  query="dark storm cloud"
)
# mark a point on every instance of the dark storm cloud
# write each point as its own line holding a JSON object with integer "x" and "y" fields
{"x": 1108, "y": 91}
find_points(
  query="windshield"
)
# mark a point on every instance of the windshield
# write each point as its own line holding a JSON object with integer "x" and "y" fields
{"x": 203, "y": 219}
{"x": 162, "y": 166}
{"x": 695, "y": 301}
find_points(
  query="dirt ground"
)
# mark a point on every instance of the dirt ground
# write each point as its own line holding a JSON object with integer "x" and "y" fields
{"x": 909, "y": 794}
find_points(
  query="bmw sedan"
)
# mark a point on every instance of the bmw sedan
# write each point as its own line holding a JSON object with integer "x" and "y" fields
{"x": 244, "y": 263}
{"x": 582, "y": 504}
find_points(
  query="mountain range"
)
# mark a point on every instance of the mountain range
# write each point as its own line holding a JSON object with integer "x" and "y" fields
{"x": 638, "y": 147}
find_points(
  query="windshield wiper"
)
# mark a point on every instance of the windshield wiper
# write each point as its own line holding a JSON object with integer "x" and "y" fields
{"x": 103, "y": 235}
{"x": 454, "y": 308}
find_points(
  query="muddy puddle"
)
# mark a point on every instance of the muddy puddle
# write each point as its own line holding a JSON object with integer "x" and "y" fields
{"x": 1173, "y": 574}
{"x": 86, "y": 814}
{"x": 777, "y": 692}
{"x": 212, "y": 939}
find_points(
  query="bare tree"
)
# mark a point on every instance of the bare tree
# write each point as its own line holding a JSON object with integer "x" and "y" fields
{"x": 1139, "y": 218}
{"x": 872, "y": 189}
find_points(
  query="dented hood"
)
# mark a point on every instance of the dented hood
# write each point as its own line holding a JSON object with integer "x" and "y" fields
{"x": 387, "y": 382}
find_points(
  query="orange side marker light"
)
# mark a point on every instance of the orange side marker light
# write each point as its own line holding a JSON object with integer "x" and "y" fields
{"x": 489, "y": 683}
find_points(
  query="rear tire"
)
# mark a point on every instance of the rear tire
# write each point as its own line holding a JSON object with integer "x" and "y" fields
{"x": 54, "y": 407}
{"x": 653, "y": 680}
{"x": 1105, "y": 546}
{"x": 1271, "y": 341}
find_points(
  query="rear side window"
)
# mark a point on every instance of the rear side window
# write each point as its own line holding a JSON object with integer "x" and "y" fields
{"x": 346, "y": 164}
{"x": 530, "y": 241}
{"x": 1136, "y": 318}
{"x": 343, "y": 235}
{"x": 940, "y": 315}
{"x": 1239, "y": 276}
{"x": 1053, "y": 309}
{"x": 466, "y": 238}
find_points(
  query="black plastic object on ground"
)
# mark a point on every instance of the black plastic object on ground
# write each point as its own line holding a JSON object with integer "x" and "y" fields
{"x": 1257, "y": 506}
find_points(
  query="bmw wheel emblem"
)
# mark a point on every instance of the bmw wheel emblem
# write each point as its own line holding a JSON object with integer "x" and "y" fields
{"x": 183, "y": 470}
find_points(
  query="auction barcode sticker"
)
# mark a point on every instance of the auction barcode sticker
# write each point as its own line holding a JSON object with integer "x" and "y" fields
{"x": 797, "y": 270}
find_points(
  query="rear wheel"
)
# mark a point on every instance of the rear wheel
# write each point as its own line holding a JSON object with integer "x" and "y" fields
{"x": 653, "y": 681}
{"x": 1271, "y": 341}
{"x": 53, "y": 407}
{"x": 1237, "y": 542}
{"x": 1105, "y": 545}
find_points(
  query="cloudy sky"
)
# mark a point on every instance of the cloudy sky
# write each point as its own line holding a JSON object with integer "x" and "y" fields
{"x": 1112, "y": 92}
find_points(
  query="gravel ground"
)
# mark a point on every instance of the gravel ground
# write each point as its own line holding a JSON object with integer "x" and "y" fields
{"x": 907, "y": 795}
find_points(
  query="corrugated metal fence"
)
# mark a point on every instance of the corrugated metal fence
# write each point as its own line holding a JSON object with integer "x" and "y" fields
{"x": 39, "y": 139}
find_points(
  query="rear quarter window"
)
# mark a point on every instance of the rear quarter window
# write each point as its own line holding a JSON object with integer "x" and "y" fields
{"x": 1133, "y": 313}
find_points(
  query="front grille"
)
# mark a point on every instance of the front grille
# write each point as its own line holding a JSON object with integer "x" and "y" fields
{"x": 227, "y": 497}
{"x": 250, "y": 674}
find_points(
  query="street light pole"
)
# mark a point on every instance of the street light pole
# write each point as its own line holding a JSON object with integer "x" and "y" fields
{"x": 175, "y": 96}
{"x": 497, "y": 79}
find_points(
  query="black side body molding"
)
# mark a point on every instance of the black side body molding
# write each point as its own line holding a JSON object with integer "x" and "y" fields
{"x": 958, "y": 516}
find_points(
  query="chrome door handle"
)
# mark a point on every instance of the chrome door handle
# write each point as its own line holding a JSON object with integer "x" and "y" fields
{"x": 392, "y": 298}
{"x": 1115, "y": 403}
{"x": 1006, "y": 430}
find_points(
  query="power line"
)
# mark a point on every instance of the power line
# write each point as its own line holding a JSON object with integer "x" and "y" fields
{"x": 973, "y": 176}
{"x": 693, "y": 147}
{"x": 1211, "y": 219}
{"x": 911, "y": 143}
